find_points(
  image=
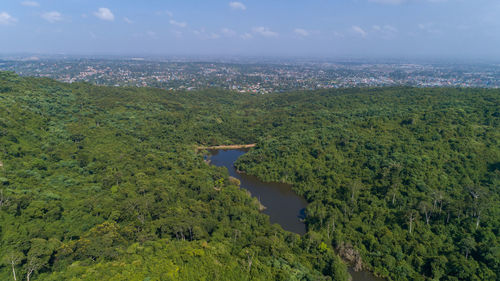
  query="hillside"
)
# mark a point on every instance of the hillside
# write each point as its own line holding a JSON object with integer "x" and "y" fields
{"x": 105, "y": 183}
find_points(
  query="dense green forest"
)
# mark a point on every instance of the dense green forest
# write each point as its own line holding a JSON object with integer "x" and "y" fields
{"x": 409, "y": 177}
{"x": 105, "y": 183}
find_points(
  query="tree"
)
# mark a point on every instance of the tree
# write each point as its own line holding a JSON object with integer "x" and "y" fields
{"x": 330, "y": 228}
{"x": 468, "y": 244}
{"x": 13, "y": 258}
{"x": 355, "y": 187}
{"x": 437, "y": 198}
{"x": 40, "y": 252}
{"x": 4, "y": 200}
{"x": 34, "y": 264}
{"x": 438, "y": 266}
{"x": 393, "y": 191}
{"x": 425, "y": 208}
{"x": 411, "y": 215}
{"x": 480, "y": 201}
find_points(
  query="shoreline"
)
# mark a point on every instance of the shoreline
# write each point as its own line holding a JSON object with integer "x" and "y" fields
{"x": 231, "y": 146}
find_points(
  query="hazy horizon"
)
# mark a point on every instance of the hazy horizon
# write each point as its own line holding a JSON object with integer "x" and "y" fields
{"x": 371, "y": 29}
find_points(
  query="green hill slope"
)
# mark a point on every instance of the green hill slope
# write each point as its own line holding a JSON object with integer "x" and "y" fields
{"x": 104, "y": 183}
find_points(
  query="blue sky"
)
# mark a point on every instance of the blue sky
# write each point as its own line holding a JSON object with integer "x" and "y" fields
{"x": 316, "y": 28}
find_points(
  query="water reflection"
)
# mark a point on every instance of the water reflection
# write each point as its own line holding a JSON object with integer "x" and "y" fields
{"x": 282, "y": 204}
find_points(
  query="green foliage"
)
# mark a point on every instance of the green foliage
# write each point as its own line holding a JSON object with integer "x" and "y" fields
{"x": 104, "y": 183}
{"x": 408, "y": 176}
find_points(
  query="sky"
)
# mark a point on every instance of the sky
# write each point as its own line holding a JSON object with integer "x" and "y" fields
{"x": 305, "y": 28}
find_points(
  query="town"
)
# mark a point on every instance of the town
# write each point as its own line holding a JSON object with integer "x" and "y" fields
{"x": 252, "y": 76}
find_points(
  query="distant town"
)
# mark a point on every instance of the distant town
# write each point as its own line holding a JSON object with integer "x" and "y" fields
{"x": 264, "y": 77}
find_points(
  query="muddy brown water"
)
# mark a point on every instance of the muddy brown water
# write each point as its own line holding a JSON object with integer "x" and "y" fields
{"x": 283, "y": 205}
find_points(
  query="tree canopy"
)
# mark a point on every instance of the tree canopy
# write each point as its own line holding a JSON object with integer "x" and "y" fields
{"x": 105, "y": 183}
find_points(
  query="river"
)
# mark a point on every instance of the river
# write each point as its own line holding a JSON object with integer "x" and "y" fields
{"x": 287, "y": 211}
{"x": 283, "y": 205}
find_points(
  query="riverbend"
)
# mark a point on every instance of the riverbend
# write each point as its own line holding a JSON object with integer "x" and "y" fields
{"x": 281, "y": 203}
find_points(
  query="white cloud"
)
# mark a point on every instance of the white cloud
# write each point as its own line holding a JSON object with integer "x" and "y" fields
{"x": 152, "y": 34}
{"x": 52, "y": 16}
{"x": 246, "y": 36}
{"x": 358, "y": 30}
{"x": 390, "y": 28}
{"x": 386, "y": 31}
{"x": 204, "y": 35}
{"x": 237, "y": 6}
{"x": 213, "y": 36}
{"x": 200, "y": 31}
{"x": 301, "y": 32}
{"x": 167, "y": 12}
{"x": 6, "y": 19}
{"x": 386, "y": 28}
{"x": 338, "y": 34}
{"x": 127, "y": 20}
{"x": 104, "y": 14}
{"x": 30, "y": 4}
{"x": 177, "y": 33}
{"x": 177, "y": 23}
{"x": 264, "y": 31}
{"x": 228, "y": 32}
{"x": 428, "y": 27}
{"x": 424, "y": 26}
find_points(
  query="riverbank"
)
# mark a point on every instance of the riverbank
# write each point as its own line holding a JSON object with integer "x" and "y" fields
{"x": 282, "y": 205}
{"x": 231, "y": 146}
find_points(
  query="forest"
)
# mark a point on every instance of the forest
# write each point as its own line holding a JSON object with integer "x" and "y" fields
{"x": 106, "y": 183}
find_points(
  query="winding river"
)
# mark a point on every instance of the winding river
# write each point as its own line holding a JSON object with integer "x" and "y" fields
{"x": 283, "y": 205}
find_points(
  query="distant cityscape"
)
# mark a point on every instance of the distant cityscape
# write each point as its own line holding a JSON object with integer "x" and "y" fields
{"x": 266, "y": 76}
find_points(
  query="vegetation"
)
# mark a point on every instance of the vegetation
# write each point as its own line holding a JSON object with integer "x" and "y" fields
{"x": 105, "y": 183}
{"x": 409, "y": 177}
